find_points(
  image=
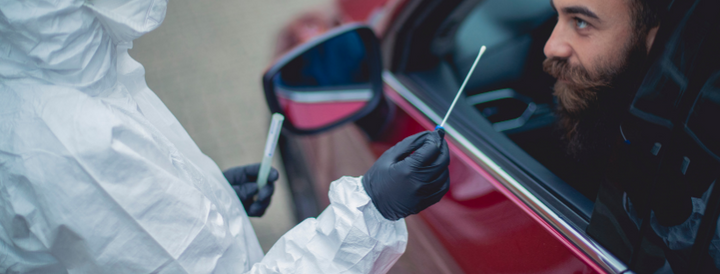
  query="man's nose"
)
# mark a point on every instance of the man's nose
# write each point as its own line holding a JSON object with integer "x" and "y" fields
{"x": 557, "y": 45}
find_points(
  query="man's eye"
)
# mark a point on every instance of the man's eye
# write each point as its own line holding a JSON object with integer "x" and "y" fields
{"x": 581, "y": 24}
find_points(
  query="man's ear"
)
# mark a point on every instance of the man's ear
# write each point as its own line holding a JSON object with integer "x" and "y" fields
{"x": 651, "y": 38}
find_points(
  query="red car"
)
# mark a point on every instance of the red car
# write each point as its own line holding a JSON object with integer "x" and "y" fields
{"x": 516, "y": 204}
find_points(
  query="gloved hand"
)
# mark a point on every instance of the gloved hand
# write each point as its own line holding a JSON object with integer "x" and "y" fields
{"x": 242, "y": 179}
{"x": 410, "y": 176}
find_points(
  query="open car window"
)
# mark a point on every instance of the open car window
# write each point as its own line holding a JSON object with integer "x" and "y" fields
{"x": 507, "y": 107}
{"x": 510, "y": 89}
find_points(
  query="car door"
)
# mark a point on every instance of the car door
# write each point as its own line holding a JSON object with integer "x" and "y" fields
{"x": 606, "y": 219}
{"x": 514, "y": 205}
{"x": 502, "y": 200}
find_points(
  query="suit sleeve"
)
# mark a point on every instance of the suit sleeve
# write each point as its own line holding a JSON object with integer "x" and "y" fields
{"x": 349, "y": 236}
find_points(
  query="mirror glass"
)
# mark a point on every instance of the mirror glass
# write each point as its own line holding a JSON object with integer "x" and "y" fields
{"x": 326, "y": 83}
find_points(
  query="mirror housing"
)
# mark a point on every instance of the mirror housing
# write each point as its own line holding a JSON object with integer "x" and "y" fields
{"x": 332, "y": 79}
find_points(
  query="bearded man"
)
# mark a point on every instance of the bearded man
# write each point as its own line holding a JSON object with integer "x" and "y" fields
{"x": 596, "y": 52}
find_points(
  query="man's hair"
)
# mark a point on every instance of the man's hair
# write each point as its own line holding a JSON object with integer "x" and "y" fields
{"x": 646, "y": 13}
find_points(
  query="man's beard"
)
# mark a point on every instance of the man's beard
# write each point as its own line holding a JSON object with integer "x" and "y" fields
{"x": 591, "y": 105}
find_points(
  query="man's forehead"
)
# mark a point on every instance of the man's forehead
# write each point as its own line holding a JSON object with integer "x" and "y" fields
{"x": 598, "y": 9}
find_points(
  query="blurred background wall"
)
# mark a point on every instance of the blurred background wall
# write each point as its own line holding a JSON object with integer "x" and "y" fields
{"x": 206, "y": 62}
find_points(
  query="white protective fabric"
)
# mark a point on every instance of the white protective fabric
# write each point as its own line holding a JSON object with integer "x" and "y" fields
{"x": 97, "y": 176}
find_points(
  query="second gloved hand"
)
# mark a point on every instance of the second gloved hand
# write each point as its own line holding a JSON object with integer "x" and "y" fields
{"x": 243, "y": 181}
{"x": 410, "y": 176}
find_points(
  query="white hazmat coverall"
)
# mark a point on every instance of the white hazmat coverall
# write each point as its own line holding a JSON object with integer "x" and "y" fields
{"x": 97, "y": 176}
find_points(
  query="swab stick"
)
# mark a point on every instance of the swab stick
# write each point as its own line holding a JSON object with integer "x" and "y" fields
{"x": 482, "y": 50}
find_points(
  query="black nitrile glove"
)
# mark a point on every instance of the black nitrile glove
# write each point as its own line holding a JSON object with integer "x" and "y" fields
{"x": 410, "y": 176}
{"x": 242, "y": 179}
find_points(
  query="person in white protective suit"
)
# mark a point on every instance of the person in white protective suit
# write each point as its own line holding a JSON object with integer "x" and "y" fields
{"x": 97, "y": 176}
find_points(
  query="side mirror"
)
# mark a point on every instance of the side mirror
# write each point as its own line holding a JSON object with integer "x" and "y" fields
{"x": 331, "y": 80}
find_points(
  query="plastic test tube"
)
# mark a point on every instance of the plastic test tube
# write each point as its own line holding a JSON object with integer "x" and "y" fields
{"x": 270, "y": 144}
